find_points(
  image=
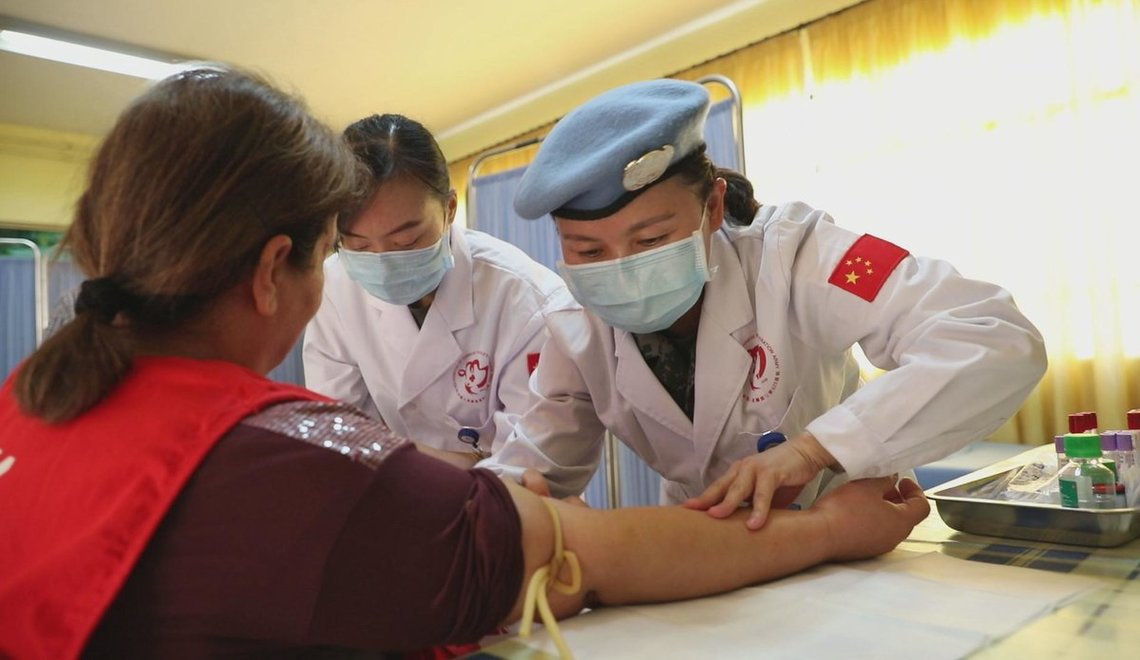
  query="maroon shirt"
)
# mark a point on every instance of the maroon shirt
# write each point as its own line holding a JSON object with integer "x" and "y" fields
{"x": 312, "y": 530}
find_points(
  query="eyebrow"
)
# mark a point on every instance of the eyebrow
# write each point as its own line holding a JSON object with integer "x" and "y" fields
{"x": 636, "y": 227}
{"x": 410, "y": 224}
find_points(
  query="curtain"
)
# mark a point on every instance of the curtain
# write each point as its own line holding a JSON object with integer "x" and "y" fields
{"x": 719, "y": 135}
{"x": 999, "y": 136}
{"x": 17, "y": 311}
{"x": 292, "y": 368}
{"x": 492, "y": 211}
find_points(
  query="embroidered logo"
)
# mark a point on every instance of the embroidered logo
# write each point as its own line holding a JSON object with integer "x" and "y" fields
{"x": 764, "y": 377}
{"x": 865, "y": 267}
{"x": 473, "y": 375}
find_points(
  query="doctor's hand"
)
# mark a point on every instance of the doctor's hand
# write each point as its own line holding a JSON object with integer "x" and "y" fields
{"x": 533, "y": 481}
{"x": 868, "y": 517}
{"x": 773, "y": 478}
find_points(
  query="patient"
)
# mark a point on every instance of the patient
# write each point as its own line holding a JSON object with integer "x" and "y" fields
{"x": 161, "y": 498}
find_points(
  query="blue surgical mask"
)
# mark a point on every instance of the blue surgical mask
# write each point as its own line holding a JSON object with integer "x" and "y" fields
{"x": 400, "y": 277}
{"x": 645, "y": 292}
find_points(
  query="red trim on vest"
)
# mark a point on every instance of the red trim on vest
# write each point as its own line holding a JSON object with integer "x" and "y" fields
{"x": 82, "y": 499}
{"x": 531, "y": 362}
{"x": 864, "y": 269}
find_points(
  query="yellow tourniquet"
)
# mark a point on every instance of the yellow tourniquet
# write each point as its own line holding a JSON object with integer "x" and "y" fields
{"x": 547, "y": 577}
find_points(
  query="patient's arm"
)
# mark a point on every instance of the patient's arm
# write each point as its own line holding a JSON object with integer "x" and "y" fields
{"x": 667, "y": 553}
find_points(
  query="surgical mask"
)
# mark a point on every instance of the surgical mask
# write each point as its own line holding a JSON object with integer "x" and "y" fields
{"x": 645, "y": 292}
{"x": 400, "y": 277}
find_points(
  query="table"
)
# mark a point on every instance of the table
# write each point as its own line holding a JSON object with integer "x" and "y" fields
{"x": 1102, "y": 622}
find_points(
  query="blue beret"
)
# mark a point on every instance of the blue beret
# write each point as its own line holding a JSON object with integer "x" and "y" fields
{"x": 607, "y": 151}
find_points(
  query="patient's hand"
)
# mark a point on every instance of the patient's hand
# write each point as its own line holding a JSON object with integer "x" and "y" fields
{"x": 868, "y": 517}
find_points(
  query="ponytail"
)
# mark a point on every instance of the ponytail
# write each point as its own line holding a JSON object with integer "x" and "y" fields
{"x": 698, "y": 172}
{"x": 74, "y": 369}
{"x": 739, "y": 199}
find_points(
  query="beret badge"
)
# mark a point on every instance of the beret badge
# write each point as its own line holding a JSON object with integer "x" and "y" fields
{"x": 647, "y": 169}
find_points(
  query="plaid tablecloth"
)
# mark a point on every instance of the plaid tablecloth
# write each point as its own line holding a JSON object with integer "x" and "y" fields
{"x": 1104, "y": 623}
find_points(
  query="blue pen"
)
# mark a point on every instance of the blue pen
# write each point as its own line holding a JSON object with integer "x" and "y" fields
{"x": 768, "y": 440}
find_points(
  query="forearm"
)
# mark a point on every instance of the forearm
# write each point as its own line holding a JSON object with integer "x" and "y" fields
{"x": 670, "y": 553}
{"x": 665, "y": 553}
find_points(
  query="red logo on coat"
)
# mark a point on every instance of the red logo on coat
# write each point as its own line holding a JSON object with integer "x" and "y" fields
{"x": 764, "y": 375}
{"x": 473, "y": 374}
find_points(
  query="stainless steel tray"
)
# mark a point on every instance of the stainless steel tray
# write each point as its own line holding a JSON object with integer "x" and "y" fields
{"x": 965, "y": 511}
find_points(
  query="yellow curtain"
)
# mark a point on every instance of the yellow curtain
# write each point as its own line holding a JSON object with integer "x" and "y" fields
{"x": 999, "y": 135}
{"x": 771, "y": 77}
{"x": 768, "y": 70}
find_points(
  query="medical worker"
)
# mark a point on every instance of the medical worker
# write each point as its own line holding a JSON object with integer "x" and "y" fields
{"x": 430, "y": 327}
{"x": 703, "y": 343}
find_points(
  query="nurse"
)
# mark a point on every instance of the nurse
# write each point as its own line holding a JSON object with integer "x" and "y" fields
{"x": 700, "y": 339}
{"x": 430, "y": 327}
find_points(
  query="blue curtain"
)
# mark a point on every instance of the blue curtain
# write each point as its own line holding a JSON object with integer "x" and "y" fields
{"x": 491, "y": 210}
{"x": 640, "y": 484}
{"x": 719, "y": 138}
{"x": 292, "y": 369}
{"x": 17, "y": 310}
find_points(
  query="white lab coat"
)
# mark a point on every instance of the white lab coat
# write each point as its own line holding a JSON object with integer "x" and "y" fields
{"x": 466, "y": 367}
{"x": 961, "y": 359}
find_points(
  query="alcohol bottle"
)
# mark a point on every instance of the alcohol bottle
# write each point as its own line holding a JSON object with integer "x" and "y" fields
{"x": 1084, "y": 482}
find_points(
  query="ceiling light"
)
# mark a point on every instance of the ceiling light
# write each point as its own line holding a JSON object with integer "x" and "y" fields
{"x": 69, "y": 52}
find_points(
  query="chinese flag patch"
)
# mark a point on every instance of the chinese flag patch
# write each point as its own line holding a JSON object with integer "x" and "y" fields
{"x": 866, "y": 266}
{"x": 531, "y": 362}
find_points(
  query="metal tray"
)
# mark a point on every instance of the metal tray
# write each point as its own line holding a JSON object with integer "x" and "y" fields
{"x": 1051, "y": 523}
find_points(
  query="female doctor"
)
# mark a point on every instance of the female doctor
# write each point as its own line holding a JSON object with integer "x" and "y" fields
{"x": 702, "y": 343}
{"x": 432, "y": 328}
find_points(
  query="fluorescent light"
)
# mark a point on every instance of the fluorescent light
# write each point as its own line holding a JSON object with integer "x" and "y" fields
{"x": 95, "y": 58}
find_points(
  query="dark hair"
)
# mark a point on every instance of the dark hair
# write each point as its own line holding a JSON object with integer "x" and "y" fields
{"x": 392, "y": 146}
{"x": 739, "y": 198}
{"x": 699, "y": 173}
{"x": 193, "y": 179}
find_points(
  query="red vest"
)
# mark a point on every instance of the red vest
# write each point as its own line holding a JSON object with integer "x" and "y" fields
{"x": 79, "y": 501}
